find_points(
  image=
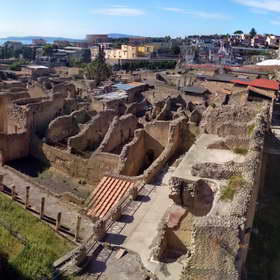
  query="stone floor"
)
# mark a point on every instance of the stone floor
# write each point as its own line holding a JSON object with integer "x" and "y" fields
{"x": 53, "y": 205}
{"x": 199, "y": 153}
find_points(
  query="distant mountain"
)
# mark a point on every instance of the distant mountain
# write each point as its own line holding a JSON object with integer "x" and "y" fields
{"x": 117, "y": 36}
{"x": 51, "y": 39}
{"x": 48, "y": 39}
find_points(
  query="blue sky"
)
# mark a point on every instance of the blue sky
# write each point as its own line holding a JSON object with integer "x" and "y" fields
{"x": 76, "y": 18}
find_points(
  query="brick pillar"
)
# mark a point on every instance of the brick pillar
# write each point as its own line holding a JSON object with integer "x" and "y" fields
{"x": 13, "y": 192}
{"x": 58, "y": 222}
{"x": 42, "y": 209}
{"x": 27, "y": 197}
{"x": 78, "y": 226}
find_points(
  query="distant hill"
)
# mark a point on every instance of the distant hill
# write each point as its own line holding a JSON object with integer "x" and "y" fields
{"x": 51, "y": 39}
{"x": 117, "y": 36}
{"x": 48, "y": 39}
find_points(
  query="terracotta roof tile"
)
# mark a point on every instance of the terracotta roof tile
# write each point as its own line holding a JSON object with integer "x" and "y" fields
{"x": 107, "y": 194}
{"x": 259, "y": 83}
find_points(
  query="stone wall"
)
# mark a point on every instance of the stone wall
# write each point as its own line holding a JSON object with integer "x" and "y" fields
{"x": 218, "y": 120}
{"x": 92, "y": 170}
{"x": 165, "y": 139}
{"x": 43, "y": 110}
{"x": 65, "y": 126}
{"x": 14, "y": 146}
{"x": 120, "y": 131}
{"x": 18, "y": 119}
{"x": 132, "y": 156}
{"x": 92, "y": 135}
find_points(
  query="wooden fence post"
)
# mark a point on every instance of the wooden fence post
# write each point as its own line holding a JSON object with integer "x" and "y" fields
{"x": 27, "y": 197}
{"x": 42, "y": 209}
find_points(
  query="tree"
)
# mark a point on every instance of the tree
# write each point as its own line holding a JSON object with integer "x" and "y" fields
{"x": 175, "y": 50}
{"x": 98, "y": 70}
{"x": 239, "y": 32}
{"x": 253, "y": 32}
{"x": 48, "y": 50}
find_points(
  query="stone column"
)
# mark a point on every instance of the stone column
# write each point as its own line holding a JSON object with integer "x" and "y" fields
{"x": 99, "y": 229}
{"x": 58, "y": 222}
{"x": 133, "y": 193}
{"x": 13, "y": 192}
{"x": 27, "y": 197}
{"x": 42, "y": 209}
{"x": 116, "y": 213}
{"x": 78, "y": 226}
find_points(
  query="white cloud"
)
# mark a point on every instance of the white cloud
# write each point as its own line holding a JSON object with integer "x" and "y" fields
{"x": 176, "y": 10}
{"x": 118, "y": 10}
{"x": 266, "y": 5}
{"x": 200, "y": 14}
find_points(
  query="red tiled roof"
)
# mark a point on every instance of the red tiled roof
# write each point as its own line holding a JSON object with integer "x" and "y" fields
{"x": 107, "y": 194}
{"x": 259, "y": 83}
{"x": 264, "y": 83}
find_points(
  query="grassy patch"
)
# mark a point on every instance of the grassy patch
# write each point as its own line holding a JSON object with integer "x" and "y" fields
{"x": 250, "y": 129}
{"x": 10, "y": 247}
{"x": 240, "y": 151}
{"x": 34, "y": 260}
{"x": 235, "y": 183}
{"x": 228, "y": 193}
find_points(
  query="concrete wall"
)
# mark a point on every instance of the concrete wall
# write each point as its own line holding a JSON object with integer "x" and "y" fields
{"x": 92, "y": 135}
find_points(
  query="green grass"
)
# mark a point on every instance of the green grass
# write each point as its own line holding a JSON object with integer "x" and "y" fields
{"x": 33, "y": 260}
{"x": 250, "y": 129}
{"x": 235, "y": 183}
{"x": 12, "y": 246}
{"x": 240, "y": 151}
{"x": 228, "y": 193}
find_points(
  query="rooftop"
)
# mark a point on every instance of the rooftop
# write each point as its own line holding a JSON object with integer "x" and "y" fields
{"x": 197, "y": 90}
{"x": 36, "y": 67}
{"x": 106, "y": 195}
{"x": 115, "y": 95}
{"x": 259, "y": 83}
{"x": 128, "y": 86}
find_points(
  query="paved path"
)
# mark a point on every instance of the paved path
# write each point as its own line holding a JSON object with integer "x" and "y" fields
{"x": 53, "y": 204}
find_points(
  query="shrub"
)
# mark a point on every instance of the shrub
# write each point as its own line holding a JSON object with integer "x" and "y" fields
{"x": 235, "y": 183}
{"x": 250, "y": 129}
{"x": 240, "y": 151}
{"x": 228, "y": 193}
